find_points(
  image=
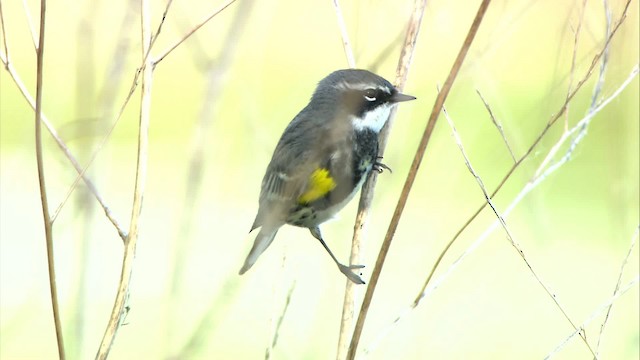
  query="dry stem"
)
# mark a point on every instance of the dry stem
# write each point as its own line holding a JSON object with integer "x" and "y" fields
{"x": 411, "y": 177}
{"x": 278, "y": 323}
{"x": 4, "y": 31}
{"x": 120, "y": 307}
{"x": 532, "y": 184}
{"x": 32, "y": 30}
{"x": 61, "y": 144}
{"x": 497, "y": 124}
{"x": 607, "y": 304}
{"x": 172, "y": 47}
{"x": 345, "y": 35}
{"x": 552, "y": 121}
{"x": 634, "y": 239}
{"x": 48, "y": 225}
{"x": 506, "y": 229}
{"x": 366, "y": 196}
{"x": 348, "y": 304}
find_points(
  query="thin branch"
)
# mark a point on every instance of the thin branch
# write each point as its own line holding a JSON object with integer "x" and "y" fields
{"x": 32, "y": 29}
{"x": 348, "y": 51}
{"x": 497, "y": 124}
{"x": 120, "y": 307}
{"x": 172, "y": 47}
{"x": 4, "y": 31}
{"x": 634, "y": 239}
{"x": 347, "y": 326}
{"x": 154, "y": 37}
{"x": 576, "y": 37}
{"x": 506, "y": 229}
{"x": 366, "y": 195}
{"x": 532, "y": 184}
{"x": 607, "y": 304}
{"x": 535, "y": 143}
{"x": 276, "y": 330}
{"x": 412, "y": 175}
{"x": 61, "y": 144}
{"x": 48, "y": 228}
{"x": 349, "y": 302}
{"x": 106, "y": 137}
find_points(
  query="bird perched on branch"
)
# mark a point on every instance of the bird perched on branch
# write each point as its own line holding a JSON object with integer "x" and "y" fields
{"x": 323, "y": 157}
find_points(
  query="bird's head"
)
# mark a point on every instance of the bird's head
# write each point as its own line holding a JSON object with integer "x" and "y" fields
{"x": 366, "y": 98}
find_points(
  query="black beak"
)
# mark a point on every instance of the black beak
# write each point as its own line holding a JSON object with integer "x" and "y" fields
{"x": 398, "y": 97}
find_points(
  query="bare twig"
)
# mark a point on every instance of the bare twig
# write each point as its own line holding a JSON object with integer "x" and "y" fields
{"x": 348, "y": 304}
{"x": 61, "y": 144}
{"x": 535, "y": 143}
{"x": 532, "y": 184}
{"x": 32, "y": 29}
{"x": 278, "y": 324}
{"x": 605, "y": 56}
{"x": 576, "y": 37}
{"x": 345, "y": 35}
{"x": 48, "y": 225}
{"x": 497, "y": 124}
{"x": 412, "y": 174}
{"x": 366, "y": 196}
{"x": 4, "y": 31}
{"x": 634, "y": 239}
{"x": 106, "y": 137}
{"x": 172, "y": 47}
{"x": 120, "y": 307}
{"x": 607, "y": 304}
{"x": 506, "y": 229}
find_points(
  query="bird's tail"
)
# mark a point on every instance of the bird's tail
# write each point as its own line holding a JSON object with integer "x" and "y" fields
{"x": 262, "y": 242}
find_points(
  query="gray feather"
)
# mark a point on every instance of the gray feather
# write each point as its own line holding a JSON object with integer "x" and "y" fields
{"x": 263, "y": 240}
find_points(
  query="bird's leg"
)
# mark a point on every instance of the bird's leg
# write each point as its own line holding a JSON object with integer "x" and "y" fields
{"x": 380, "y": 167}
{"x": 346, "y": 270}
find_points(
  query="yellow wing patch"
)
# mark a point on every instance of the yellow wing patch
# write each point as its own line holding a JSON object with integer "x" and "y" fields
{"x": 320, "y": 183}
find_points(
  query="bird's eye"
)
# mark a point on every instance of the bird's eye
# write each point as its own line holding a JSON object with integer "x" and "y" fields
{"x": 370, "y": 95}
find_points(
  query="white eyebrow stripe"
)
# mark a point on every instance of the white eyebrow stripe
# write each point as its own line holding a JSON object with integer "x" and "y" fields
{"x": 343, "y": 85}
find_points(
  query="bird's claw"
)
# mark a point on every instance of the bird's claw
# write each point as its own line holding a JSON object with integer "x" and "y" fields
{"x": 347, "y": 271}
{"x": 380, "y": 167}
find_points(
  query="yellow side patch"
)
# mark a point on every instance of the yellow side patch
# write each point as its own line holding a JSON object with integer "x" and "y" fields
{"x": 320, "y": 183}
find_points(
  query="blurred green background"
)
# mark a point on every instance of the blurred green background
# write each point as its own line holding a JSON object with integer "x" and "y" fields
{"x": 232, "y": 88}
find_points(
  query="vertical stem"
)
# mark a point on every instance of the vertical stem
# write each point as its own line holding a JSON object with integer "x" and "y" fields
{"x": 120, "y": 306}
{"x": 48, "y": 226}
{"x": 366, "y": 197}
{"x": 386, "y": 244}
{"x": 345, "y": 35}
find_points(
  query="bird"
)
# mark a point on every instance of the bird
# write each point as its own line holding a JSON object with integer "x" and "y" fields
{"x": 323, "y": 157}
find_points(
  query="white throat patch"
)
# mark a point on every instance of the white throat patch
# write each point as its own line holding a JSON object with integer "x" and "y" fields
{"x": 374, "y": 119}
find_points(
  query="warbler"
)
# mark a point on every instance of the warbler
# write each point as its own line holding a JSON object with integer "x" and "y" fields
{"x": 323, "y": 157}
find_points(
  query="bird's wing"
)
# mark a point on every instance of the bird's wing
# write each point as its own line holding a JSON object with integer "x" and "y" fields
{"x": 299, "y": 171}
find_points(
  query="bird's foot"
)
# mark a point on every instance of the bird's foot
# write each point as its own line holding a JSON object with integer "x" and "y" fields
{"x": 347, "y": 271}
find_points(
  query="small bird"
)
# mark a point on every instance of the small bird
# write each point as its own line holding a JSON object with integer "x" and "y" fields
{"x": 323, "y": 157}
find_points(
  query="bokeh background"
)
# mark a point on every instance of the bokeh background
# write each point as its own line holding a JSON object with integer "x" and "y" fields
{"x": 220, "y": 102}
